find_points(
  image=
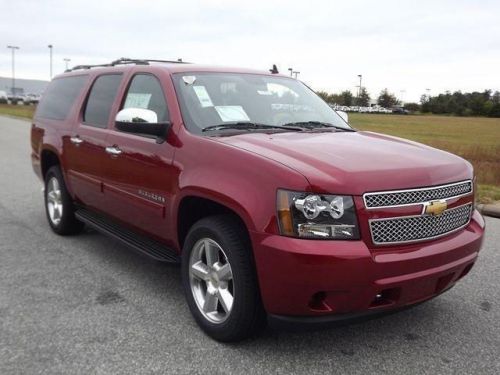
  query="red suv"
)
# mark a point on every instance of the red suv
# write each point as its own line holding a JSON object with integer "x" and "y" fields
{"x": 277, "y": 209}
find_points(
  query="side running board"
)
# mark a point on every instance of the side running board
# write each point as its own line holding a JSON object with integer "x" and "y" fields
{"x": 138, "y": 242}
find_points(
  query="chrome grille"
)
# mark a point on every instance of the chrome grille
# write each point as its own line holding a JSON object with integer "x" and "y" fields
{"x": 419, "y": 228}
{"x": 416, "y": 196}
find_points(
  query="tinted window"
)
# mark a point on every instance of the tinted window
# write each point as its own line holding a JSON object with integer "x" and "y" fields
{"x": 145, "y": 92}
{"x": 59, "y": 97}
{"x": 101, "y": 98}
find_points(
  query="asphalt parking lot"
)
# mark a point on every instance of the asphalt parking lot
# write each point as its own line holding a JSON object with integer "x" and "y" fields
{"x": 85, "y": 305}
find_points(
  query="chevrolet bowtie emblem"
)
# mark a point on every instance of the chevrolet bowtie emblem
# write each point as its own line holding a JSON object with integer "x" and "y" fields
{"x": 434, "y": 208}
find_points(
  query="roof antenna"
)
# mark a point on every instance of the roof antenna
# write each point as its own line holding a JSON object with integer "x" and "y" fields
{"x": 274, "y": 69}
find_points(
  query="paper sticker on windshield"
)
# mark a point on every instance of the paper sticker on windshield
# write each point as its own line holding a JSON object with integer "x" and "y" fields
{"x": 232, "y": 113}
{"x": 203, "y": 97}
{"x": 137, "y": 100}
{"x": 189, "y": 80}
{"x": 264, "y": 92}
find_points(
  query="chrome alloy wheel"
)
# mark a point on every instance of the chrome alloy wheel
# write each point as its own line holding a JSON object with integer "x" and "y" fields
{"x": 211, "y": 280}
{"x": 54, "y": 201}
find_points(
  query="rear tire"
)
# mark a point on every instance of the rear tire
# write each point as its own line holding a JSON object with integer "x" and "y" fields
{"x": 59, "y": 206}
{"x": 221, "y": 289}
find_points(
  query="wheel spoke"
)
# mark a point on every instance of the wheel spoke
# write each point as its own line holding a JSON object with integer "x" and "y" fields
{"x": 57, "y": 212}
{"x": 211, "y": 252}
{"x": 226, "y": 299}
{"x": 210, "y": 304}
{"x": 53, "y": 184}
{"x": 200, "y": 270}
{"x": 224, "y": 273}
{"x": 51, "y": 196}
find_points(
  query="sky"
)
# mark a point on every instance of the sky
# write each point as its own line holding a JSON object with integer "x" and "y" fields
{"x": 405, "y": 46}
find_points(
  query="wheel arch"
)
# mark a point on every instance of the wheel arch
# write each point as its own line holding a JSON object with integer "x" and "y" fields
{"x": 48, "y": 159}
{"x": 194, "y": 206}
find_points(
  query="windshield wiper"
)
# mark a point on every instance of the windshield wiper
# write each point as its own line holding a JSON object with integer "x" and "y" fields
{"x": 317, "y": 124}
{"x": 249, "y": 126}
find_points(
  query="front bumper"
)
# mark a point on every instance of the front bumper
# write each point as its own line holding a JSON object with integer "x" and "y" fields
{"x": 315, "y": 278}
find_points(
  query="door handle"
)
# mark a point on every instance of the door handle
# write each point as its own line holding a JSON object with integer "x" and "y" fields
{"x": 113, "y": 150}
{"x": 76, "y": 140}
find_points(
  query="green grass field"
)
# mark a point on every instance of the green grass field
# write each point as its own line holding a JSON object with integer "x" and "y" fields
{"x": 475, "y": 139}
{"x": 17, "y": 110}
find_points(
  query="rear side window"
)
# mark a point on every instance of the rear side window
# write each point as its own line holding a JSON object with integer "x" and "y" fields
{"x": 59, "y": 97}
{"x": 100, "y": 100}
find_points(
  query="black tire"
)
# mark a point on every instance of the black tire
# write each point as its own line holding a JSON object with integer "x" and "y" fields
{"x": 247, "y": 316}
{"x": 68, "y": 223}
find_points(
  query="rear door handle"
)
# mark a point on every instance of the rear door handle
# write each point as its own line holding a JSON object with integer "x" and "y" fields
{"x": 113, "y": 150}
{"x": 76, "y": 140}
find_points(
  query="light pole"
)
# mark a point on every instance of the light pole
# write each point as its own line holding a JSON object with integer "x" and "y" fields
{"x": 66, "y": 60}
{"x": 296, "y": 74}
{"x": 13, "y": 49}
{"x": 50, "y": 49}
{"x": 291, "y": 71}
{"x": 359, "y": 90}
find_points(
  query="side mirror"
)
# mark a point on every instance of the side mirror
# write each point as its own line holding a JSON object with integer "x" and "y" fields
{"x": 344, "y": 116}
{"x": 141, "y": 121}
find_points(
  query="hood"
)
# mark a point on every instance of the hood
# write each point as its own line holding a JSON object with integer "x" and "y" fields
{"x": 356, "y": 162}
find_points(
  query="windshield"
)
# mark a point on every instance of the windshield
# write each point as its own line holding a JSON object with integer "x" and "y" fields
{"x": 211, "y": 100}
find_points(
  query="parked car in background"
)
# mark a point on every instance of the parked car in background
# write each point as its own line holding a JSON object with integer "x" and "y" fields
{"x": 365, "y": 110}
{"x": 371, "y": 109}
{"x": 16, "y": 98}
{"x": 3, "y": 97}
{"x": 32, "y": 99}
{"x": 21, "y": 99}
{"x": 400, "y": 111}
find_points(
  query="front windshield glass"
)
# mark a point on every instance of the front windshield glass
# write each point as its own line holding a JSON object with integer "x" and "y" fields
{"x": 213, "y": 99}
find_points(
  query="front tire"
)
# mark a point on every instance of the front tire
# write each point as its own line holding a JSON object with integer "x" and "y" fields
{"x": 219, "y": 279}
{"x": 59, "y": 206}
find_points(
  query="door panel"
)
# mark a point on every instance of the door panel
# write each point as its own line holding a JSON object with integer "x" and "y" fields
{"x": 137, "y": 182}
{"x": 85, "y": 148}
{"x": 85, "y": 166}
{"x": 138, "y": 177}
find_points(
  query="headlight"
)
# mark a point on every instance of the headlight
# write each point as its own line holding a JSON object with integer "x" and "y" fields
{"x": 317, "y": 215}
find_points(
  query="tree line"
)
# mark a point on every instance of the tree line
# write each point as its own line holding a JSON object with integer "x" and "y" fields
{"x": 486, "y": 103}
{"x": 475, "y": 103}
{"x": 385, "y": 99}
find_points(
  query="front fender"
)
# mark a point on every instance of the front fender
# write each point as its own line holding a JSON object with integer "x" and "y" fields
{"x": 240, "y": 180}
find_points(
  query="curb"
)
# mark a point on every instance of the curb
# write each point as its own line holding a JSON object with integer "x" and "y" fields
{"x": 492, "y": 210}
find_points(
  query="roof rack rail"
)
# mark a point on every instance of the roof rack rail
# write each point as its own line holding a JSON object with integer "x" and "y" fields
{"x": 125, "y": 61}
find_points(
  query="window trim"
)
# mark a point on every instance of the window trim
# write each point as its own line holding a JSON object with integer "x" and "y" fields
{"x": 87, "y": 96}
{"x": 124, "y": 98}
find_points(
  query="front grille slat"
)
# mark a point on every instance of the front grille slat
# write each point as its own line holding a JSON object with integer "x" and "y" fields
{"x": 416, "y": 196}
{"x": 419, "y": 228}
